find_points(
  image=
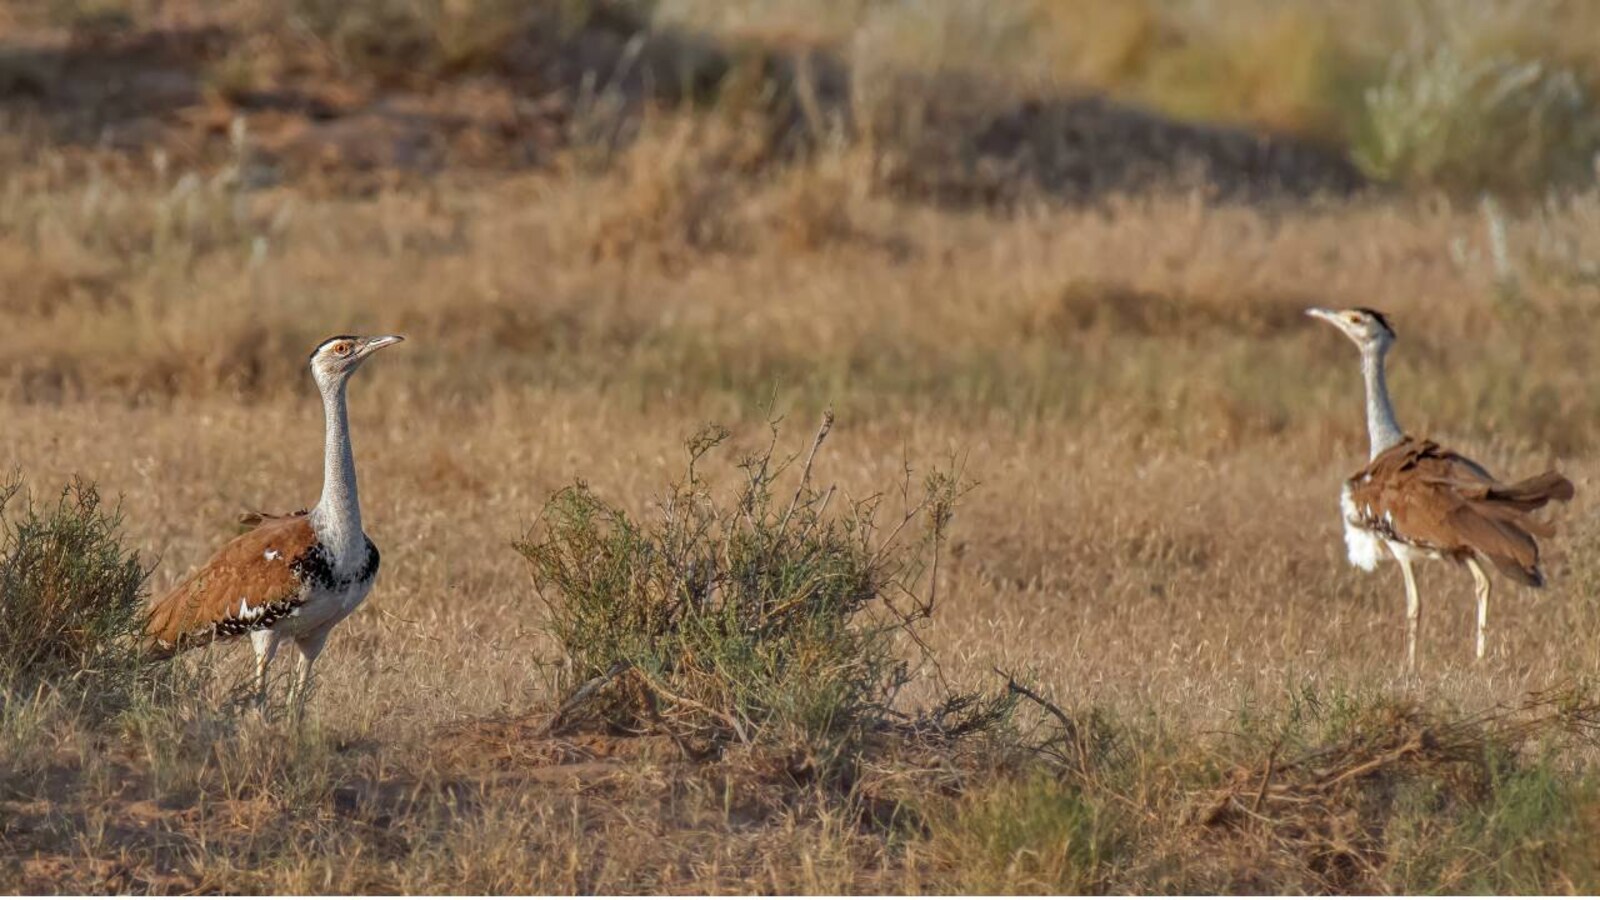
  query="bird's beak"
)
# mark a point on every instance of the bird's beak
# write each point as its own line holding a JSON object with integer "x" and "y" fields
{"x": 1332, "y": 317}
{"x": 378, "y": 343}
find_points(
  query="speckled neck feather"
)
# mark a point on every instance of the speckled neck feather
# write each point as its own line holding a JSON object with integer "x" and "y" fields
{"x": 1382, "y": 429}
{"x": 337, "y": 516}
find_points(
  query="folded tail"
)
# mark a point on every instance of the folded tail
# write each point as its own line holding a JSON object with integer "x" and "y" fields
{"x": 1533, "y": 493}
{"x": 1497, "y": 523}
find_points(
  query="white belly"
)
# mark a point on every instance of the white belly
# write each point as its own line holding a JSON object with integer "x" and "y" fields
{"x": 324, "y": 608}
{"x": 1363, "y": 546}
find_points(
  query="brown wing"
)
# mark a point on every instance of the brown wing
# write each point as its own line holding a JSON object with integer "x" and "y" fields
{"x": 250, "y": 583}
{"x": 1421, "y": 494}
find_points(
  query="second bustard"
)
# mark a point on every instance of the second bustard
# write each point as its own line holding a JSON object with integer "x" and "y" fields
{"x": 1420, "y": 501}
{"x": 291, "y": 577}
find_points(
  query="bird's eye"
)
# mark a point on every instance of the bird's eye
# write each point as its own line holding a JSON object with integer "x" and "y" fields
{"x": 342, "y": 348}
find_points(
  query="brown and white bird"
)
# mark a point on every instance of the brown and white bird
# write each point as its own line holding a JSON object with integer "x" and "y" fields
{"x": 1421, "y": 501}
{"x": 290, "y": 577}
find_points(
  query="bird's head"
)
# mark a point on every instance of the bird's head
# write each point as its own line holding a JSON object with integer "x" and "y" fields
{"x": 338, "y": 356}
{"x": 1369, "y": 328}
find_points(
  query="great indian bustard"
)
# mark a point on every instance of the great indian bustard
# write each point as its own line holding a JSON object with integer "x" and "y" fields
{"x": 1421, "y": 501}
{"x": 290, "y": 577}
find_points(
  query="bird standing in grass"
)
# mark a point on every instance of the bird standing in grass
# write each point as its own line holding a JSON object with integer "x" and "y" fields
{"x": 290, "y": 577}
{"x": 1422, "y": 501}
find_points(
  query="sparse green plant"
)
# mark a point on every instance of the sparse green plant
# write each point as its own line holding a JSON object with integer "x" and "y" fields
{"x": 1524, "y": 833}
{"x": 772, "y": 615}
{"x": 71, "y": 593}
{"x": 1027, "y": 835}
{"x": 28, "y": 722}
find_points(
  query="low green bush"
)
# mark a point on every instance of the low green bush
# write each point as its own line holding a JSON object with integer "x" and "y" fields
{"x": 72, "y": 601}
{"x": 766, "y": 616}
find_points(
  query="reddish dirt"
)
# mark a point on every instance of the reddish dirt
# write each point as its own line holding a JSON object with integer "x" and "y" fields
{"x": 520, "y": 744}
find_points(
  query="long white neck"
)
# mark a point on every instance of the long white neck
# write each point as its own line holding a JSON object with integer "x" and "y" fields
{"x": 337, "y": 517}
{"x": 1382, "y": 429}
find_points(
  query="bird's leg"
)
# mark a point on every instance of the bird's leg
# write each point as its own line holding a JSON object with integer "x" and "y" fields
{"x": 265, "y": 643}
{"x": 310, "y": 646}
{"x": 1480, "y": 580}
{"x": 1413, "y": 607}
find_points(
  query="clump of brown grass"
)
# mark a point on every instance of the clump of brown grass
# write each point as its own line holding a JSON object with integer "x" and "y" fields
{"x": 1339, "y": 813}
{"x": 409, "y": 40}
{"x": 675, "y": 199}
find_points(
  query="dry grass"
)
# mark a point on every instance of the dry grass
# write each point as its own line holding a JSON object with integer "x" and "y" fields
{"x": 1155, "y": 430}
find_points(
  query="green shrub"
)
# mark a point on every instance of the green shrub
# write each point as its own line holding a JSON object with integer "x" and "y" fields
{"x": 71, "y": 595}
{"x": 1503, "y": 123}
{"x": 769, "y": 616}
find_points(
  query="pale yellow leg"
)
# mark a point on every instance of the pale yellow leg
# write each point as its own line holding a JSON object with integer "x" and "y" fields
{"x": 265, "y": 643}
{"x": 302, "y": 682}
{"x": 1413, "y": 608}
{"x": 309, "y": 648}
{"x": 1480, "y": 585}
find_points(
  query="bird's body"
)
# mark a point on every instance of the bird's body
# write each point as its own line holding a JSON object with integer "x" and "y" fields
{"x": 290, "y": 577}
{"x": 1432, "y": 503}
{"x": 280, "y": 576}
{"x": 1418, "y": 500}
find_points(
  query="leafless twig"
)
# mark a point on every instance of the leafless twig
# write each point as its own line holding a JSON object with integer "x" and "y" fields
{"x": 583, "y": 693}
{"x": 805, "y": 473}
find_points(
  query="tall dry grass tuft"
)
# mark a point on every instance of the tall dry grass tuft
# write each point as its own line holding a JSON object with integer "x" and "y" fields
{"x": 415, "y": 41}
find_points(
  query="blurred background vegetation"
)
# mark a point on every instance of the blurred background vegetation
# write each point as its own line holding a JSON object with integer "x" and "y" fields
{"x": 1480, "y": 95}
{"x": 233, "y": 178}
{"x": 1467, "y": 96}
